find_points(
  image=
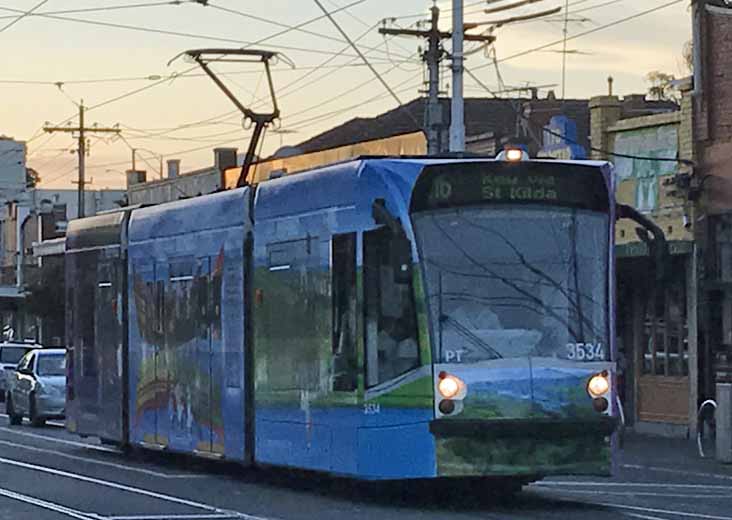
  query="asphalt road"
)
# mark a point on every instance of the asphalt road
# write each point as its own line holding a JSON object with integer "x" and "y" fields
{"x": 49, "y": 474}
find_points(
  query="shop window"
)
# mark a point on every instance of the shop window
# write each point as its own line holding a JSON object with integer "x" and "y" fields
{"x": 391, "y": 324}
{"x": 665, "y": 333}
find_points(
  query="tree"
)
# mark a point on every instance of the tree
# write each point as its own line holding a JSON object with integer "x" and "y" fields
{"x": 31, "y": 178}
{"x": 688, "y": 55}
{"x": 661, "y": 88}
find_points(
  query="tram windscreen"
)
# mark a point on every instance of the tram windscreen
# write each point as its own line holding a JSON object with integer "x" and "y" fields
{"x": 516, "y": 281}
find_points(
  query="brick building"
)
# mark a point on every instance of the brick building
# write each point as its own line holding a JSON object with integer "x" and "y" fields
{"x": 712, "y": 179}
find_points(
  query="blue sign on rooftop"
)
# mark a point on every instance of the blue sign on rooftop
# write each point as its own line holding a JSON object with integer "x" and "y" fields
{"x": 560, "y": 139}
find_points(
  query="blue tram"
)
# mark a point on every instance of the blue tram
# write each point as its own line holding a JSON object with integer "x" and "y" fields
{"x": 382, "y": 318}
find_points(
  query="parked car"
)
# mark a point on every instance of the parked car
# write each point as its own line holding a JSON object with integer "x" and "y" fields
{"x": 10, "y": 355}
{"x": 37, "y": 387}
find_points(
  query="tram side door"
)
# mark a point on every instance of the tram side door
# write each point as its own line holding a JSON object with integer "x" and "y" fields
{"x": 161, "y": 355}
{"x": 202, "y": 292}
{"x": 108, "y": 318}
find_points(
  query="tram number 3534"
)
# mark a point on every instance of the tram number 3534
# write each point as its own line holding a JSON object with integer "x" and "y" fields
{"x": 586, "y": 351}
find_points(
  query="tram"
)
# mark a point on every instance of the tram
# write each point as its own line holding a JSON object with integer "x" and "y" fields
{"x": 380, "y": 318}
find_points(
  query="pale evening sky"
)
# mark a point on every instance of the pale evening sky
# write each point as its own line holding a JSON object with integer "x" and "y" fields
{"x": 185, "y": 117}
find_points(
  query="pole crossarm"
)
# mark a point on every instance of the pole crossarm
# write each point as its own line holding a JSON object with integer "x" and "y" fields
{"x": 82, "y": 130}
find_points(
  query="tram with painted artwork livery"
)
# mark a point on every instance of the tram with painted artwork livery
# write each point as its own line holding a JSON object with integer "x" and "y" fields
{"x": 381, "y": 318}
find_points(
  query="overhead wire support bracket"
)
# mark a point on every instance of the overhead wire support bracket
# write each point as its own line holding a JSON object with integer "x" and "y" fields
{"x": 260, "y": 119}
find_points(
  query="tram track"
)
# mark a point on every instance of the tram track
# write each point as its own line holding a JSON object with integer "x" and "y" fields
{"x": 206, "y": 511}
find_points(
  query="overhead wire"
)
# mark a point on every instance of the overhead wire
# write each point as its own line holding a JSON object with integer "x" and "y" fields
{"x": 23, "y": 15}
{"x": 271, "y": 36}
{"x": 278, "y": 24}
{"x": 106, "y": 8}
{"x": 174, "y": 33}
{"x": 584, "y": 33}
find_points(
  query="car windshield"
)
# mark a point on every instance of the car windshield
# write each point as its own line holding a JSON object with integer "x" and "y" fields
{"x": 52, "y": 365}
{"x": 12, "y": 355}
{"x": 515, "y": 281}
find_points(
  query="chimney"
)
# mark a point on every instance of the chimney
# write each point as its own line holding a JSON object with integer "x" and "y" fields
{"x": 551, "y": 96}
{"x": 224, "y": 158}
{"x": 136, "y": 177}
{"x": 610, "y": 85}
{"x": 605, "y": 111}
{"x": 173, "y": 168}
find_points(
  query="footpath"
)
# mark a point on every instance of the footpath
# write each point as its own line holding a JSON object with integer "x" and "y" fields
{"x": 671, "y": 456}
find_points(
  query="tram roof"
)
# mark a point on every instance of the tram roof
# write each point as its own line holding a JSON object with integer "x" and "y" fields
{"x": 345, "y": 183}
{"x": 215, "y": 211}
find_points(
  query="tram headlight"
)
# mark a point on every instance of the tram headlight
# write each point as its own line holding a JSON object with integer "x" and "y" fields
{"x": 449, "y": 385}
{"x": 598, "y": 385}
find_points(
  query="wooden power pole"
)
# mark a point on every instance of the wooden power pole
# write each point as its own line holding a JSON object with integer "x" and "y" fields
{"x": 433, "y": 119}
{"x": 81, "y": 130}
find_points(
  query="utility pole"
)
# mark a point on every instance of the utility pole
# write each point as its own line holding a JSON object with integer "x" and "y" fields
{"x": 457, "y": 121}
{"x": 433, "y": 117}
{"x": 81, "y": 130}
{"x": 432, "y": 57}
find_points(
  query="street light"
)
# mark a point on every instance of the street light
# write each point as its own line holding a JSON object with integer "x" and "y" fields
{"x": 159, "y": 156}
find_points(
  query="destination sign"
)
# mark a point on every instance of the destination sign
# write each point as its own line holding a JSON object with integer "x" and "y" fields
{"x": 460, "y": 184}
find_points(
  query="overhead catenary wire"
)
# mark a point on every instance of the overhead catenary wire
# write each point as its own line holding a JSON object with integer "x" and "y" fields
{"x": 358, "y": 51}
{"x": 280, "y": 24}
{"x": 584, "y": 33}
{"x": 23, "y": 15}
{"x": 271, "y": 36}
{"x": 288, "y": 89}
{"x": 174, "y": 33}
{"x": 101, "y": 9}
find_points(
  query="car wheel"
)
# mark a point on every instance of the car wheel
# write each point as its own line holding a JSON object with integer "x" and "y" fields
{"x": 15, "y": 419}
{"x": 33, "y": 413}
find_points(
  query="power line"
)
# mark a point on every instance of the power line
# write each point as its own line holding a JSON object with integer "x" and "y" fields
{"x": 172, "y": 33}
{"x": 271, "y": 36}
{"x": 585, "y": 33}
{"x": 287, "y": 89}
{"x": 19, "y": 18}
{"x": 358, "y": 51}
{"x": 279, "y": 24}
{"x": 99, "y": 9}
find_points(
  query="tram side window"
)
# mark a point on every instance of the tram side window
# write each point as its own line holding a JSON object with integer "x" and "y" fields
{"x": 345, "y": 359}
{"x": 391, "y": 323}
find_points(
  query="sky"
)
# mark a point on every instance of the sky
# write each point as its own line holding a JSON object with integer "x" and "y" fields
{"x": 104, "y": 54}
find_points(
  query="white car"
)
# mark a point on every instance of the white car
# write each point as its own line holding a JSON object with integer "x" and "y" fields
{"x": 10, "y": 355}
{"x": 37, "y": 388}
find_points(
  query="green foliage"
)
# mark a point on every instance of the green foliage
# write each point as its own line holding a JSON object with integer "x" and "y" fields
{"x": 45, "y": 297}
{"x": 661, "y": 88}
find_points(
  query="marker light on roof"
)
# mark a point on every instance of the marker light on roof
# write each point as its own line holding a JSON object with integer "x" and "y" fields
{"x": 513, "y": 155}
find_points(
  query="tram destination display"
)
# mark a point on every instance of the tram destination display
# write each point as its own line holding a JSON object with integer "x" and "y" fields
{"x": 463, "y": 184}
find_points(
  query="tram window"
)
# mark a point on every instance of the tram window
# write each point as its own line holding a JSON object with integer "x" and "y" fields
{"x": 345, "y": 360}
{"x": 391, "y": 324}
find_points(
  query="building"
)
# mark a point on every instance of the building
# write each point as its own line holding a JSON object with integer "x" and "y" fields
{"x": 656, "y": 321}
{"x": 180, "y": 185}
{"x": 29, "y": 216}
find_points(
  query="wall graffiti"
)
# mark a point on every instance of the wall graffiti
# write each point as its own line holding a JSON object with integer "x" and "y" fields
{"x": 660, "y": 142}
